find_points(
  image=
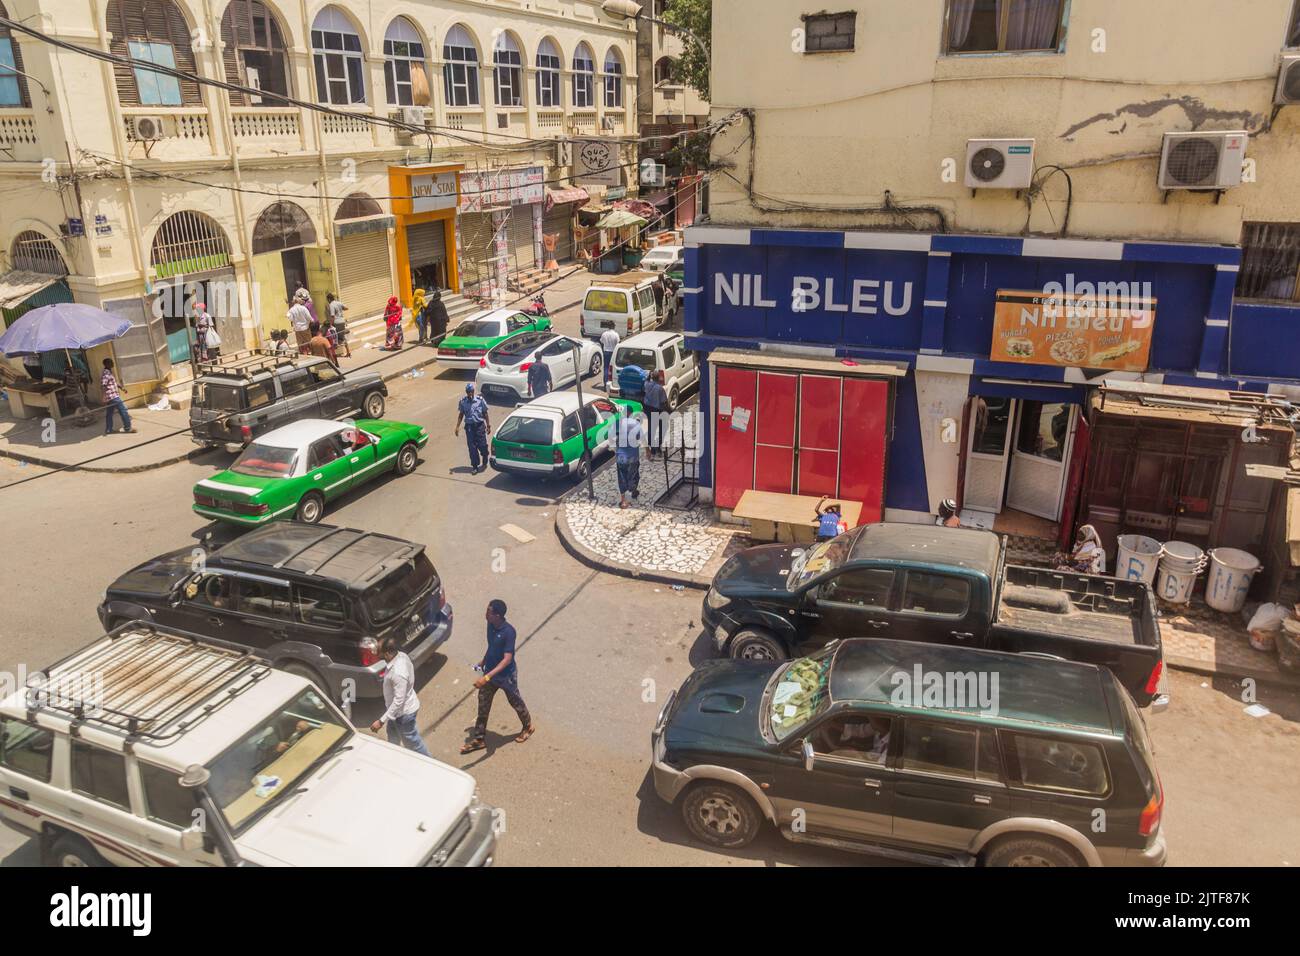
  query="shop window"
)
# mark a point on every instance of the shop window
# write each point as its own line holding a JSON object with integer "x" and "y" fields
{"x": 1270, "y": 261}
{"x": 405, "y": 79}
{"x": 358, "y": 206}
{"x": 254, "y": 52}
{"x": 613, "y": 81}
{"x": 283, "y": 225}
{"x": 1044, "y": 428}
{"x": 507, "y": 72}
{"x": 990, "y": 419}
{"x": 336, "y": 53}
{"x": 188, "y": 242}
{"x": 100, "y": 774}
{"x": 154, "y": 31}
{"x": 32, "y": 252}
{"x": 584, "y": 78}
{"x": 829, "y": 32}
{"x": 460, "y": 68}
{"x": 1005, "y": 26}
{"x": 548, "y": 74}
{"x": 13, "y": 85}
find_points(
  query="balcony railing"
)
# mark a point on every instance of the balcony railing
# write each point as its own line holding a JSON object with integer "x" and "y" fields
{"x": 254, "y": 124}
{"x": 584, "y": 121}
{"x": 18, "y": 137}
{"x": 182, "y": 133}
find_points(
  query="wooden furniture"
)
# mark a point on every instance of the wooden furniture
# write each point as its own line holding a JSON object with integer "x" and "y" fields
{"x": 27, "y": 398}
{"x": 789, "y": 518}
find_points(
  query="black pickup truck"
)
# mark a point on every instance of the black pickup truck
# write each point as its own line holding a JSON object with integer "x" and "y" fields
{"x": 941, "y": 585}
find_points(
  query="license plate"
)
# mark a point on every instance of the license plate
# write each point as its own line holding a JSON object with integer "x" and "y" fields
{"x": 420, "y": 620}
{"x": 526, "y": 454}
{"x": 498, "y": 389}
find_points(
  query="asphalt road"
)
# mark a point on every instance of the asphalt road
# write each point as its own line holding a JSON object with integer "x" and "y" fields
{"x": 597, "y": 657}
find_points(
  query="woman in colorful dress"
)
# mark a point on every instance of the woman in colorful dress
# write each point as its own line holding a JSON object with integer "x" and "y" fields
{"x": 393, "y": 320}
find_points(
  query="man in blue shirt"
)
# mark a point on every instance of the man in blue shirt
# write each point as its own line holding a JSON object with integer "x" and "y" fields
{"x": 473, "y": 411}
{"x": 499, "y": 673}
{"x": 539, "y": 378}
{"x": 628, "y": 457}
{"x": 631, "y": 382}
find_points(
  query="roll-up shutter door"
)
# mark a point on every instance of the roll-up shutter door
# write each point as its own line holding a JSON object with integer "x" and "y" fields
{"x": 559, "y": 221}
{"x": 522, "y": 255}
{"x": 365, "y": 282}
{"x": 426, "y": 244}
{"x": 477, "y": 249}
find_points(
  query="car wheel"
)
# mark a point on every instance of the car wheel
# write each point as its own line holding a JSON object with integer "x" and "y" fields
{"x": 407, "y": 458}
{"x": 597, "y": 364}
{"x": 306, "y": 673}
{"x": 71, "y": 850}
{"x": 752, "y": 645}
{"x": 674, "y": 397}
{"x": 579, "y": 474}
{"x": 373, "y": 406}
{"x": 311, "y": 508}
{"x": 720, "y": 815}
{"x": 1029, "y": 851}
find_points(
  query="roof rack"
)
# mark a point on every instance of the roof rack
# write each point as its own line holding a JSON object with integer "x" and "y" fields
{"x": 143, "y": 680}
{"x": 307, "y": 547}
{"x": 248, "y": 362}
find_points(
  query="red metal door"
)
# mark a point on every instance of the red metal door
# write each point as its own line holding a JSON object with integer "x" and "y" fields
{"x": 733, "y": 465}
{"x": 774, "y": 431}
{"x": 862, "y": 444}
{"x": 819, "y": 434}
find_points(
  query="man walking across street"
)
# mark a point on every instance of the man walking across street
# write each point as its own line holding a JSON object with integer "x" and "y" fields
{"x": 335, "y": 310}
{"x": 539, "y": 378}
{"x": 113, "y": 400}
{"x": 608, "y": 342}
{"x": 628, "y": 458}
{"x": 473, "y": 411}
{"x": 402, "y": 703}
{"x": 499, "y": 673}
{"x": 656, "y": 403}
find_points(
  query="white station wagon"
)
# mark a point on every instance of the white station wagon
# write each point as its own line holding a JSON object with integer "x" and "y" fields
{"x": 149, "y": 749}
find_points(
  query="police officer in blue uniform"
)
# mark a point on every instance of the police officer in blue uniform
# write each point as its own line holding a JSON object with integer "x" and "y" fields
{"x": 473, "y": 411}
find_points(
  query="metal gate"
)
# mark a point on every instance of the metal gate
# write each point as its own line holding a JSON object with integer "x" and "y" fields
{"x": 559, "y": 222}
{"x": 520, "y": 238}
{"x": 365, "y": 282}
{"x": 477, "y": 248}
{"x": 426, "y": 243}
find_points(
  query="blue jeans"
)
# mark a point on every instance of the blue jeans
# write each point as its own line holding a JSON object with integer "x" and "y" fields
{"x": 402, "y": 730}
{"x": 629, "y": 476}
{"x": 609, "y": 362}
{"x": 476, "y": 439}
{"x": 119, "y": 406}
{"x": 419, "y": 324}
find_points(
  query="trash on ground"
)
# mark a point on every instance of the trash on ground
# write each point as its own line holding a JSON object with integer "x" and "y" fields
{"x": 1258, "y": 710}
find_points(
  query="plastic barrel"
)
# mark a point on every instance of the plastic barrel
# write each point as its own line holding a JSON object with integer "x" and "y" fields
{"x": 1176, "y": 575}
{"x": 1138, "y": 558}
{"x": 1231, "y": 572}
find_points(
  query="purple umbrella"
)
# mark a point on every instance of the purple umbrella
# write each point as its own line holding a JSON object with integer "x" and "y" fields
{"x": 64, "y": 325}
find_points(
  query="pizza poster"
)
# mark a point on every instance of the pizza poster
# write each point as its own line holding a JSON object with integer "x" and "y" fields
{"x": 1107, "y": 329}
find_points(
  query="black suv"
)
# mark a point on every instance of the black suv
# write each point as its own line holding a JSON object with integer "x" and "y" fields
{"x": 313, "y": 600}
{"x": 252, "y": 392}
{"x": 918, "y": 752}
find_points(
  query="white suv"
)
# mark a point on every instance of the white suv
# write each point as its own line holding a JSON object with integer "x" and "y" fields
{"x": 659, "y": 352}
{"x": 148, "y": 749}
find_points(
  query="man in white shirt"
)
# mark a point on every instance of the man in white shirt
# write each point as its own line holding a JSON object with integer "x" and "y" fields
{"x": 608, "y": 342}
{"x": 399, "y": 695}
{"x": 300, "y": 319}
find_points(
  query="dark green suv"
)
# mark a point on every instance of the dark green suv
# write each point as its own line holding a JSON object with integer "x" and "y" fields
{"x": 919, "y": 752}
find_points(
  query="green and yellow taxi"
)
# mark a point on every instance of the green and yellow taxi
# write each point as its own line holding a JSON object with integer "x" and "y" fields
{"x": 544, "y": 437}
{"x": 292, "y": 472}
{"x": 466, "y": 344}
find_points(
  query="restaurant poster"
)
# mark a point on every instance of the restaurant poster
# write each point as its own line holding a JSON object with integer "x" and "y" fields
{"x": 1073, "y": 329}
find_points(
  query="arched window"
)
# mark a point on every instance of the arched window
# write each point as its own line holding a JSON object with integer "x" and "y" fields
{"x": 460, "y": 68}
{"x": 13, "y": 85}
{"x": 664, "y": 68}
{"x": 584, "y": 78}
{"x": 32, "y": 252}
{"x": 283, "y": 225}
{"x": 405, "y": 77}
{"x": 254, "y": 51}
{"x": 152, "y": 31}
{"x": 358, "y": 206}
{"x": 188, "y": 242}
{"x": 507, "y": 72}
{"x": 548, "y": 74}
{"x": 336, "y": 50}
{"x": 613, "y": 80}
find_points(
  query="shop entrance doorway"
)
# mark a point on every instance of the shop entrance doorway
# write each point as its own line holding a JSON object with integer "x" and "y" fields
{"x": 1018, "y": 455}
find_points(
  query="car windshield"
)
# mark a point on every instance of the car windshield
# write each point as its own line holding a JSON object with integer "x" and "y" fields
{"x": 218, "y": 396}
{"x": 478, "y": 329}
{"x": 268, "y": 762}
{"x": 527, "y": 431}
{"x": 799, "y": 694}
{"x": 515, "y": 349}
{"x": 820, "y": 558}
{"x": 645, "y": 358}
{"x": 399, "y": 588}
{"x": 265, "y": 461}
{"x": 605, "y": 300}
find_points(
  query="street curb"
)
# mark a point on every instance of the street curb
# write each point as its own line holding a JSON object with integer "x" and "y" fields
{"x": 1194, "y": 666}
{"x": 600, "y": 563}
{"x": 195, "y": 452}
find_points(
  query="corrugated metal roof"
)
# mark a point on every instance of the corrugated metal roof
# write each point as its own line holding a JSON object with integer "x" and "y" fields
{"x": 17, "y": 286}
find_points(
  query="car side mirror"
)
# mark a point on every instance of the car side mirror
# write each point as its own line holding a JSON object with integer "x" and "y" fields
{"x": 810, "y": 596}
{"x": 808, "y": 755}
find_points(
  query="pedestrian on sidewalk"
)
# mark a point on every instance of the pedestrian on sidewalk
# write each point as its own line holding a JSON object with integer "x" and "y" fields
{"x": 656, "y": 403}
{"x": 113, "y": 400}
{"x": 213, "y": 344}
{"x": 438, "y": 317}
{"x": 335, "y": 309}
{"x": 499, "y": 673}
{"x": 628, "y": 458}
{"x": 393, "y": 339}
{"x": 318, "y": 344}
{"x": 402, "y": 703}
{"x": 539, "y": 378}
{"x": 608, "y": 342}
{"x": 300, "y": 321}
{"x": 303, "y": 296}
{"x": 418, "y": 306}
{"x": 473, "y": 411}
{"x": 830, "y": 520}
{"x": 202, "y": 326}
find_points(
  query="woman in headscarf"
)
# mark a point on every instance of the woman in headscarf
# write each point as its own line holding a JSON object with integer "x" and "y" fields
{"x": 393, "y": 320}
{"x": 417, "y": 313}
{"x": 437, "y": 316}
{"x": 1088, "y": 556}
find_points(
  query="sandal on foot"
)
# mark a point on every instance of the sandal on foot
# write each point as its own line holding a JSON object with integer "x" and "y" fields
{"x": 526, "y": 733}
{"x": 472, "y": 745}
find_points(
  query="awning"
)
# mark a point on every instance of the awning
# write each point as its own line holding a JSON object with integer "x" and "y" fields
{"x": 620, "y": 219}
{"x": 786, "y": 361}
{"x": 18, "y": 286}
{"x": 557, "y": 197}
{"x": 639, "y": 207}
{"x": 1190, "y": 405}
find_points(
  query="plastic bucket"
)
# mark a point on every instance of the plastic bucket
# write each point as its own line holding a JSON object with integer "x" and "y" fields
{"x": 1176, "y": 575}
{"x": 1231, "y": 572}
{"x": 1180, "y": 555}
{"x": 1138, "y": 558}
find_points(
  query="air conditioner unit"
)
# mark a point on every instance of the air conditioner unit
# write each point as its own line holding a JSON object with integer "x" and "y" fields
{"x": 414, "y": 115}
{"x": 564, "y": 154}
{"x": 999, "y": 163}
{"x": 146, "y": 129}
{"x": 1288, "y": 81}
{"x": 1210, "y": 160}
{"x": 607, "y": 122}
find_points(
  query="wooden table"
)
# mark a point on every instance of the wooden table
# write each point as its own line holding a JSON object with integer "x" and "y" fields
{"x": 25, "y": 398}
{"x": 789, "y": 518}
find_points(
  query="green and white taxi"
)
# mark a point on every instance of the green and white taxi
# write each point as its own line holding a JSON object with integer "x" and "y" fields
{"x": 544, "y": 437}
{"x": 293, "y": 471}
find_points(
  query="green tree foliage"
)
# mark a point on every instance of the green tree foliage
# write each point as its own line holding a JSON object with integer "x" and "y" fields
{"x": 696, "y": 16}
